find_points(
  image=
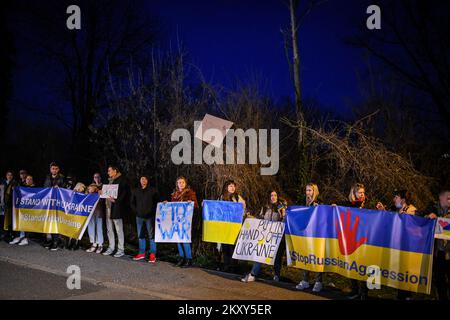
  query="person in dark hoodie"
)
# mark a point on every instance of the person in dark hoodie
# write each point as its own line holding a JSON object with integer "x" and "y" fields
{"x": 116, "y": 209}
{"x": 441, "y": 260}
{"x": 9, "y": 186}
{"x": 143, "y": 203}
{"x": 54, "y": 180}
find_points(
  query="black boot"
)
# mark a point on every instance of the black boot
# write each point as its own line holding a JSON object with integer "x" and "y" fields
{"x": 181, "y": 262}
{"x": 67, "y": 243}
{"x": 75, "y": 245}
{"x": 188, "y": 263}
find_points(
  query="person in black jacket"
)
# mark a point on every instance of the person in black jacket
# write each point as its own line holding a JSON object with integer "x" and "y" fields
{"x": 441, "y": 259}
{"x": 53, "y": 180}
{"x": 143, "y": 203}
{"x": 115, "y": 211}
{"x": 9, "y": 186}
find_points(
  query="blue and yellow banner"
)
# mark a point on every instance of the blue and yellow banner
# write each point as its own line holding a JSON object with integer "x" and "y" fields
{"x": 222, "y": 221}
{"x": 52, "y": 210}
{"x": 362, "y": 244}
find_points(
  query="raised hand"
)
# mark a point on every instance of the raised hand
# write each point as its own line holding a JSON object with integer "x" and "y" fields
{"x": 347, "y": 236}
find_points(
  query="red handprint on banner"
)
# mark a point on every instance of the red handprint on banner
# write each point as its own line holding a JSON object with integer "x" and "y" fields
{"x": 347, "y": 236}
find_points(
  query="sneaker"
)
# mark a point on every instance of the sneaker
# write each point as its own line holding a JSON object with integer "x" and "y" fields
{"x": 119, "y": 254}
{"x": 302, "y": 285}
{"x": 138, "y": 257}
{"x": 181, "y": 262}
{"x": 15, "y": 240}
{"x": 23, "y": 242}
{"x": 249, "y": 278}
{"x": 99, "y": 249}
{"x": 317, "y": 287}
{"x": 188, "y": 263}
{"x": 108, "y": 252}
{"x": 92, "y": 248}
{"x": 47, "y": 244}
{"x": 152, "y": 258}
{"x": 54, "y": 246}
{"x": 276, "y": 278}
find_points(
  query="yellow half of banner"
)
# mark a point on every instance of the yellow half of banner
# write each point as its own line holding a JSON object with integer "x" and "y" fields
{"x": 43, "y": 221}
{"x": 220, "y": 231}
{"x": 403, "y": 270}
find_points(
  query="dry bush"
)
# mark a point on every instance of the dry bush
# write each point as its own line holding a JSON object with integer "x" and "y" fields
{"x": 342, "y": 154}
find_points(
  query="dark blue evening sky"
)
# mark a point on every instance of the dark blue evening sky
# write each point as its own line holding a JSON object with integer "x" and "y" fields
{"x": 241, "y": 40}
{"x": 231, "y": 40}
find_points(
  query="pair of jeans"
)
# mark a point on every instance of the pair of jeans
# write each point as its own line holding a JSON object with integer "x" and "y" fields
{"x": 228, "y": 260}
{"x": 112, "y": 224}
{"x": 140, "y": 222}
{"x": 277, "y": 263}
{"x": 360, "y": 288}
{"x": 306, "y": 274}
{"x": 184, "y": 249}
{"x": 95, "y": 230}
{"x": 279, "y": 257}
{"x": 256, "y": 269}
{"x": 442, "y": 275}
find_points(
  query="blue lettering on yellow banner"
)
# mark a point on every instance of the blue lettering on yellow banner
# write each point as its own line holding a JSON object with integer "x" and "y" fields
{"x": 52, "y": 210}
{"x": 347, "y": 241}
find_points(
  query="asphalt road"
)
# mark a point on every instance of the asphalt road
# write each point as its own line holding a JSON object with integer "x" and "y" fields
{"x": 32, "y": 272}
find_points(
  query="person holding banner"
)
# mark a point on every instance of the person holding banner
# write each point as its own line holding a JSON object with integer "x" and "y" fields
{"x": 143, "y": 203}
{"x": 357, "y": 199}
{"x": 274, "y": 210}
{"x": 22, "y": 239}
{"x": 9, "y": 184}
{"x": 441, "y": 262}
{"x": 95, "y": 226}
{"x": 311, "y": 199}
{"x": 229, "y": 193}
{"x": 182, "y": 193}
{"x": 401, "y": 205}
{"x": 115, "y": 211}
{"x": 54, "y": 180}
{"x": 2, "y": 209}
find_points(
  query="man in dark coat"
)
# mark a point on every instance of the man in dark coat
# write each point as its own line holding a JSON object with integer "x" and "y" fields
{"x": 54, "y": 179}
{"x": 116, "y": 209}
{"x": 9, "y": 185}
{"x": 143, "y": 203}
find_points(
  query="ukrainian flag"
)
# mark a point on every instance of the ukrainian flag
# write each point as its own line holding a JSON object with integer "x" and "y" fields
{"x": 52, "y": 210}
{"x": 222, "y": 221}
{"x": 395, "y": 249}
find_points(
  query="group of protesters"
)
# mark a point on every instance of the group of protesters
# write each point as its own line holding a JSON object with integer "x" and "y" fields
{"x": 143, "y": 200}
